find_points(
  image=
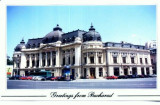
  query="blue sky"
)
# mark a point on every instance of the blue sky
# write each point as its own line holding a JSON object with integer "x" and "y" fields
{"x": 133, "y": 24}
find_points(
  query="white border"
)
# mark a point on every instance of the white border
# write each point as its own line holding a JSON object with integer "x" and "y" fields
{"x": 3, "y": 34}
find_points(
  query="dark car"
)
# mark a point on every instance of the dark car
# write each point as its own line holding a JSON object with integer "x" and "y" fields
{"x": 147, "y": 76}
{"x": 72, "y": 77}
{"x": 17, "y": 77}
{"x": 140, "y": 76}
{"x": 134, "y": 76}
{"x": 122, "y": 77}
{"x": 49, "y": 78}
{"x": 129, "y": 76}
{"x": 61, "y": 78}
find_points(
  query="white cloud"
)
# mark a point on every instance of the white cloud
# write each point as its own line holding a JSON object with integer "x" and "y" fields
{"x": 133, "y": 35}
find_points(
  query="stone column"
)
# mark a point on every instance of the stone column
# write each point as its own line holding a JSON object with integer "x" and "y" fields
{"x": 145, "y": 72}
{"x": 58, "y": 58}
{"x": 88, "y": 59}
{"x": 110, "y": 71}
{"x": 35, "y": 60}
{"x": 51, "y": 59}
{"x": 46, "y": 59}
{"x": 119, "y": 58}
{"x": 30, "y": 61}
{"x": 40, "y": 59}
{"x": 138, "y": 59}
{"x": 108, "y": 61}
{"x": 150, "y": 71}
{"x": 23, "y": 60}
{"x": 96, "y": 58}
{"x": 78, "y": 55}
{"x": 139, "y": 71}
{"x": 128, "y": 58}
{"x": 149, "y": 59}
{"x": 97, "y": 72}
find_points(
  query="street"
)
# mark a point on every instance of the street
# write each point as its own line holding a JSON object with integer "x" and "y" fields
{"x": 136, "y": 83}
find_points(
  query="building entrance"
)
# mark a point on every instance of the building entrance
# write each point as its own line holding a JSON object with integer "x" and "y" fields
{"x": 116, "y": 71}
{"x": 92, "y": 73}
{"x": 147, "y": 70}
{"x": 134, "y": 71}
{"x": 125, "y": 71}
{"x": 142, "y": 71}
{"x": 85, "y": 73}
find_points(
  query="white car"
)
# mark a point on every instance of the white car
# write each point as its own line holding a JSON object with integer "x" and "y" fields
{"x": 38, "y": 78}
{"x": 33, "y": 77}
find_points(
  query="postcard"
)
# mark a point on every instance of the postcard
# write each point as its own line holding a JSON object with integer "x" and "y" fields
{"x": 79, "y": 52}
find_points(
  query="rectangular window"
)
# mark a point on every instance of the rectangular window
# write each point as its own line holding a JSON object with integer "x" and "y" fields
{"x": 100, "y": 72}
{"x": 132, "y": 60}
{"x": 152, "y": 61}
{"x": 54, "y": 61}
{"x": 37, "y": 63}
{"x": 68, "y": 60}
{"x": 146, "y": 61}
{"x": 85, "y": 60}
{"x": 124, "y": 59}
{"x": 92, "y": 59}
{"x": 99, "y": 59}
{"x": 27, "y": 63}
{"x": 141, "y": 60}
{"x": 63, "y": 61}
{"x": 73, "y": 60}
{"x": 114, "y": 59}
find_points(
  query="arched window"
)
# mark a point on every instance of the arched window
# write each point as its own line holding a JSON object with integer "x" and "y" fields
{"x": 53, "y": 38}
{"x": 29, "y": 45}
{"x": 34, "y": 45}
{"x": 33, "y": 63}
{"x": 73, "y": 38}
{"x": 99, "y": 38}
{"x": 64, "y": 40}
{"x": 90, "y": 38}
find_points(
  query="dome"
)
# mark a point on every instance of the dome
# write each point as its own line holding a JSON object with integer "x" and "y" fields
{"x": 91, "y": 35}
{"x": 54, "y": 35}
{"x": 19, "y": 46}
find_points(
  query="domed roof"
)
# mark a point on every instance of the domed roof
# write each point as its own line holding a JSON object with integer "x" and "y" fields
{"x": 91, "y": 35}
{"x": 19, "y": 46}
{"x": 54, "y": 35}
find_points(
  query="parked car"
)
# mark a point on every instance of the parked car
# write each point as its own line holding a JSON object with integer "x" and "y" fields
{"x": 54, "y": 78}
{"x": 140, "y": 76}
{"x": 154, "y": 75}
{"x": 23, "y": 78}
{"x": 122, "y": 77}
{"x": 61, "y": 78}
{"x": 132, "y": 76}
{"x": 29, "y": 77}
{"x": 14, "y": 77}
{"x": 39, "y": 78}
{"x": 112, "y": 77}
{"x": 33, "y": 77}
{"x": 49, "y": 78}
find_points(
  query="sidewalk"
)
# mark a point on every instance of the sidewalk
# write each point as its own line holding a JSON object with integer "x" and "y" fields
{"x": 113, "y": 80}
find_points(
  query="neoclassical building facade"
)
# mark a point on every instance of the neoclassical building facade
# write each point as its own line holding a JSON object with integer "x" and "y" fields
{"x": 81, "y": 54}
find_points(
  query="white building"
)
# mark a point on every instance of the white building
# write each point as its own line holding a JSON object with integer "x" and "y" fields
{"x": 81, "y": 54}
{"x": 151, "y": 44}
